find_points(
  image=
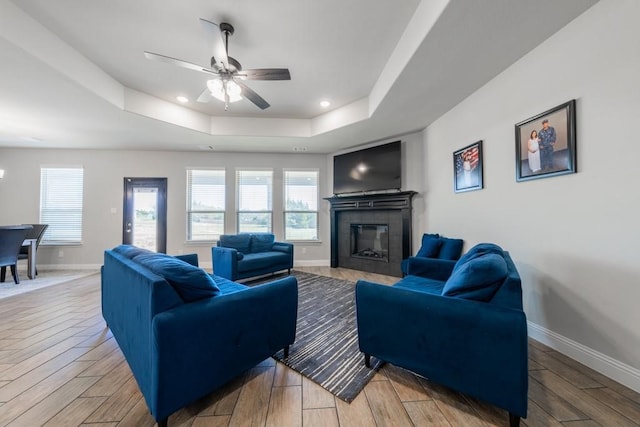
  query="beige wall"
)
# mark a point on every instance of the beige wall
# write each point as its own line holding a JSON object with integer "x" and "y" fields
{"x": 574, "y": 237}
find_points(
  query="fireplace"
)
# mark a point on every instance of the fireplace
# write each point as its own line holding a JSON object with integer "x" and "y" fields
{"x": 371, "y": 232}
{"x": 370, "y": 241}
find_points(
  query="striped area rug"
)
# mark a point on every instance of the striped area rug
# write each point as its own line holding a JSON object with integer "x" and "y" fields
{"x": 326, "y": 347}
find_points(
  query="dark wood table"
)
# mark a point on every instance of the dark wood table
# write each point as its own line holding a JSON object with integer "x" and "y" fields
{"x": 31, "y": 257}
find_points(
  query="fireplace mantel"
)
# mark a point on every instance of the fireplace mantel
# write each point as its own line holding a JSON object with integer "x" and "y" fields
{"x": 398, "y": 203}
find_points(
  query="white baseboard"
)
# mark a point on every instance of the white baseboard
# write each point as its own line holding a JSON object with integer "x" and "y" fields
{"x": 608, "y": 366}
{"x": 58, "y": 267}
{"x": 311, "y": 263}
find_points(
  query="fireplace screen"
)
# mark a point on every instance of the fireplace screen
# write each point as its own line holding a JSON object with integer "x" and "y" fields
{"x": 370, "y": 241}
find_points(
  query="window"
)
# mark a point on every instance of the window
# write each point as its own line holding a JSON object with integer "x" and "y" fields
{"x": 205, "y": 204}
{"x": 301, "y": 204}
{"x": 61, "y": 191}
{"x": 255, "y": 193}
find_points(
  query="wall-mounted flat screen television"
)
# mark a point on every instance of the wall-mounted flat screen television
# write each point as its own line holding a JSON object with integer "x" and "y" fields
{"x": 371, "y": 169}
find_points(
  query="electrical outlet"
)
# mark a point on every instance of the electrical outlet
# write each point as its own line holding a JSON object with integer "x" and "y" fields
{"x": 60, "y": 254}
{"x": 304, "y": 251}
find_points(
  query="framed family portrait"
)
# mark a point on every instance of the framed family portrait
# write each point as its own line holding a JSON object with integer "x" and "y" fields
{"x": 546, "y": 143}
{"x": 467, "y": 168}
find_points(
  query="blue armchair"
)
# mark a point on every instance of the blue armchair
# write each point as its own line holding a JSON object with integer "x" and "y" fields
{"x": 436, "y": 246}
{"x": 244, "y": 255}
{"x": 458, "y": 324}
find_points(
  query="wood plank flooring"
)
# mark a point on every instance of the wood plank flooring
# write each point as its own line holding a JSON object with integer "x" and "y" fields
{"x": 60, "y": 366}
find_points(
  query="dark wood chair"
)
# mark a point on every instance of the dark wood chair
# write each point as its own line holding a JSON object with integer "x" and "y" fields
{"x": 37, "y": 232}
{"x": 11, "y": 238}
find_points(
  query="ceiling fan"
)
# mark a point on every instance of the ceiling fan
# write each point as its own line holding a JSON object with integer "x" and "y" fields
{"x": 227, "y": 83}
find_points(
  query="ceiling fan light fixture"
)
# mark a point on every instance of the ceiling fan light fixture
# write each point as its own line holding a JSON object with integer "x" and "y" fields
{"x": 217, "y": 89}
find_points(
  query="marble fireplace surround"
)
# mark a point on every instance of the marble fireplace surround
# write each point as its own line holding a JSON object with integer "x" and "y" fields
{"x": 392, "y": 209}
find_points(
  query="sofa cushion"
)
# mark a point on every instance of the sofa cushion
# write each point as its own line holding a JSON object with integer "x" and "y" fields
{"x": 130, "y": 251}
{"x": 239, "y": 256}
{"x": 478, "y": 279}
{"x": 262, "y": 260}
{"x": 450, "y": 249}
{"x": 420, "y": 284}
{"x": 228, "y": 287}
{"x": 430, "y": 246}
{"x": 239, "y": 242}
{"x": 191, "y": 283}
{"x": 477, "y": 251}
{"x": 262, "y": 242}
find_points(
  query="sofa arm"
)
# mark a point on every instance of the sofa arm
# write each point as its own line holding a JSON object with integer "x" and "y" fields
{"x": 286, "y": 248}
{"x": 431, "y": 268}
{"x": 283, "y": 247}
{"x": 225, "y": 262}
{"x": 474, "y": 347}
{"x": 202, "y": 345}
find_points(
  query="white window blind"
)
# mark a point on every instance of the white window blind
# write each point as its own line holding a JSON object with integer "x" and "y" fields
{"x": 61, "y": 193}
{"x": 255, "y": 194}
{"x": 205, "y": 204}
{"x": 301, "y": 204}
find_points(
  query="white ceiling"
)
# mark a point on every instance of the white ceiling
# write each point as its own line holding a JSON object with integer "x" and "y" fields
{"x": 73, "y": 73}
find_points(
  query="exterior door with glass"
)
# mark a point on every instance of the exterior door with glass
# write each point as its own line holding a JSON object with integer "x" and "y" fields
{"x": 145, "y": 213}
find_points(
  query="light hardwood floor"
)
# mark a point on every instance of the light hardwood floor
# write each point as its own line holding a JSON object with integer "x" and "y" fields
{"x": 60, "y": 366}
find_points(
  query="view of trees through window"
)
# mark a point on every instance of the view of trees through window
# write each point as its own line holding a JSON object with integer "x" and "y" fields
{"x": 301, "y": 209}
{"x": 255, "y": 194}
{"x": 145, "y": 205}
{"x": 205, "y": 204}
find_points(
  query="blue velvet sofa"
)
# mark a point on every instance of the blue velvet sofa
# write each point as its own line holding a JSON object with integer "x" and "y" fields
{"x": 438, "y": 247}
{"x": 239, "y": 256}
{"x": 184, "y": 332}
{"x": 459, "y": 324}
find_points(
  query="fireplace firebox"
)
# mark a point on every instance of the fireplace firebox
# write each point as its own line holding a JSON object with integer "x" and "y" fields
{"x": 370, "y": 241}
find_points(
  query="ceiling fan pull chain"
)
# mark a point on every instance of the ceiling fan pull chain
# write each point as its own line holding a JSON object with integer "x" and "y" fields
{"x": 226, "y": 95}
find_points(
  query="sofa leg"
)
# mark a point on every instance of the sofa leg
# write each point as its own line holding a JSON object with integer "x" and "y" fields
{"x": 288, "y": 272}
{"x": 14, "y": 273}
{"x": 163, "y": 422}
{"x": 514, "y": 420}
{"x": 367, "y": 360}
{"x": 286, "y": 351}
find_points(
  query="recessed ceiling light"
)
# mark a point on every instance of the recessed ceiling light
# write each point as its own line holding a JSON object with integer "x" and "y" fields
{"x": 325, "y": 104}
{"x": 182, "y": 99}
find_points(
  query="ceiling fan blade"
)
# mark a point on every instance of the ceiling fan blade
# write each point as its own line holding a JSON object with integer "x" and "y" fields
{"x": 219, "y": 48}
{"x": 205, "y": 96}
{"x": 266, "y": 74}
{"x": 178, "y": 62}
{"x": 250, "y": 94}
